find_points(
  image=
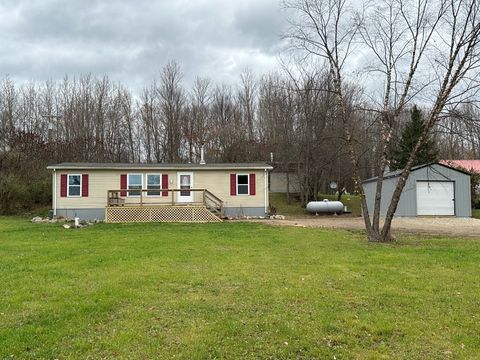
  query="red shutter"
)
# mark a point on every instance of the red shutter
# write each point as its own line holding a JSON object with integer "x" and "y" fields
{"x": 123, "y": 184}
{"x": 164, "y": 184}
{"x": 84, "y": 185}
{"x": 233, "y": 184}
{"x": 63, "y": 185}
{"x": 252, "y": 184}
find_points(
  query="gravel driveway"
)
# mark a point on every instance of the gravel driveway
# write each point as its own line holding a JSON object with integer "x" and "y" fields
{"x": 450, "y": 226}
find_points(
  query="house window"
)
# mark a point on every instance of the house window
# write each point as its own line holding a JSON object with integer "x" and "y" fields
{"x": 154, "y": 183}
{"x": 134, "y": 182}
{"x": 243, "y": 186}
{"x": 74, "y": 185}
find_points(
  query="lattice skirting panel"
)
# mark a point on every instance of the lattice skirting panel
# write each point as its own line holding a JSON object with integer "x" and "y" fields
{"x": 196, "y": 214}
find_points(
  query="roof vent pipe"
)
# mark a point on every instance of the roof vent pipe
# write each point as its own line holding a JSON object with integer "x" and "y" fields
{"x": 202, "y": 155}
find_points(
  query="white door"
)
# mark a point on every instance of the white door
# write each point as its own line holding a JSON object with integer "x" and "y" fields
{"x": 435, "y": 198}
{"x": 185, "y": 182}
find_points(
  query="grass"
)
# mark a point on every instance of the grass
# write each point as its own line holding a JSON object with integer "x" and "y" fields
{"x": 233, "y": 290}
{"x": 476, "y": 213}
{"x": 352, "y": 202}
{"x": 279, "y": 201}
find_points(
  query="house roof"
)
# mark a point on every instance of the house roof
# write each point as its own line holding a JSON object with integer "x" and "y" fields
{"x": 471, "y": 166}
{"x": 393, "y": 174}
{"x": 163, "y": 166}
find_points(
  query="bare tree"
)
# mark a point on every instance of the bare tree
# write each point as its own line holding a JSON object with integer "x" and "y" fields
{"x": 172, "y": 101}
{"x": 149, "y": 123}
{"x": 8, "y": 104}
{"x": 327, "y": 29}
{"x": 196, "y": 118}
{"x": 403, "y": 36}
{"x": 276, "y": 122}
{"x": 227, "y": 132}
{"x": 246, "y": 95}
{"x": 458, "y": 133}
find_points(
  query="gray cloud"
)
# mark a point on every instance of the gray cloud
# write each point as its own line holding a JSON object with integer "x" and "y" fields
{"x": 131, "y": 40}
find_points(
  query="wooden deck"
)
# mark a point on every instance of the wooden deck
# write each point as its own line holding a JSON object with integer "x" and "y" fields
{"x": 122, "y": 209}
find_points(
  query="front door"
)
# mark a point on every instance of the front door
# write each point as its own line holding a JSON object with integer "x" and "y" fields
{"x": 185, "y": 183}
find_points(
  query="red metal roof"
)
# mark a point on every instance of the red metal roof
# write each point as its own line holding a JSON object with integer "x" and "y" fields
{"x": 472, "y": 166}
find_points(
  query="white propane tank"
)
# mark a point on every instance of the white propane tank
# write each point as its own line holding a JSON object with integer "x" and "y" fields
{"x": 325, "y": 207}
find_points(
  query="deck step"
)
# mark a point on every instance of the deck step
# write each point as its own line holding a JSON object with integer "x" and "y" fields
{"x": 215, "y": 211}
{"x": 190, "y": 214}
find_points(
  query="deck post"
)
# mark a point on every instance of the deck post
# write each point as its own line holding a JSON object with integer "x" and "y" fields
{"x": 141, "y": 197}
{"x": 173, "y": 200}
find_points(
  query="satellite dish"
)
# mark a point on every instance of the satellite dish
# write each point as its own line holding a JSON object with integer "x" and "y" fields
{"x": 333, "y": 185}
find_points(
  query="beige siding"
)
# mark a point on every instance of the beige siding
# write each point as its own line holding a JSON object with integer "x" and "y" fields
{"x": 216, "y": 181}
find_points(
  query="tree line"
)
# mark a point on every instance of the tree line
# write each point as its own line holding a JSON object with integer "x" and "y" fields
{"x": 92, "y": 119}
{"x": 291, "y": 117}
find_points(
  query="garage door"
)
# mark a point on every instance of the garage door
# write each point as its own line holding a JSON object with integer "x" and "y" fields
{"x": 435, "y": 198}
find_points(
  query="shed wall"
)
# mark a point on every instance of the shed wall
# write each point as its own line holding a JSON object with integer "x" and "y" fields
{"x": 278, "y": 182}
{"x": 407, "y": 205}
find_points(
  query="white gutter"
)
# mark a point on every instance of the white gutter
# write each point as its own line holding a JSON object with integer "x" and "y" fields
{"x": 266, "y": 191}
{"x": 165, "y": 168}
{"x": 54, "y": 193}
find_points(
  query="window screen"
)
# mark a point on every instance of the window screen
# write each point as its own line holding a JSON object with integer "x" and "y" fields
{"x": 242, "y": 184}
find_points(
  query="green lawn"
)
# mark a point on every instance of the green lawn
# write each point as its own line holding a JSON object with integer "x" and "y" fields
{"x": 279, "y": 201}
{"x": 233, "y": 290}
{"x": 476, "y": 213}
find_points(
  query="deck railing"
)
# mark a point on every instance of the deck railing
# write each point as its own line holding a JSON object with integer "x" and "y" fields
{"x": 151, "y": 197}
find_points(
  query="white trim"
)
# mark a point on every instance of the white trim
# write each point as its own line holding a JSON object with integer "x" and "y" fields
{"x": 68, "y": 186}
{"x": 166, "y": 167}
{"x": 55, "y": 193}
{"x": 128, "y": 184}
{"x": 185, "y": 199}
{"x": 265, "y": 175}
{"x": 248, "y": 185}
{"x": 146, "y": 185}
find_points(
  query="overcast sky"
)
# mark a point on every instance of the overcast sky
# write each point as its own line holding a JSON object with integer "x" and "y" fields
{"x": 130, "y": 40}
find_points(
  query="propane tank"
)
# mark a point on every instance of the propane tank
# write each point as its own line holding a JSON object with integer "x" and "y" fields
{"x": 325, "y": 207}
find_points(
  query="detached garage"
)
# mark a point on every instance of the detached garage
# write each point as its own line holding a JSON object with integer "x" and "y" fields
{"x": 431, "y": 190}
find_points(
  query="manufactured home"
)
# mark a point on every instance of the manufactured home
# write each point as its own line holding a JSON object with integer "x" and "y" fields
{"x": 431, "y": 190}
{"x": 159, "y": 192}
